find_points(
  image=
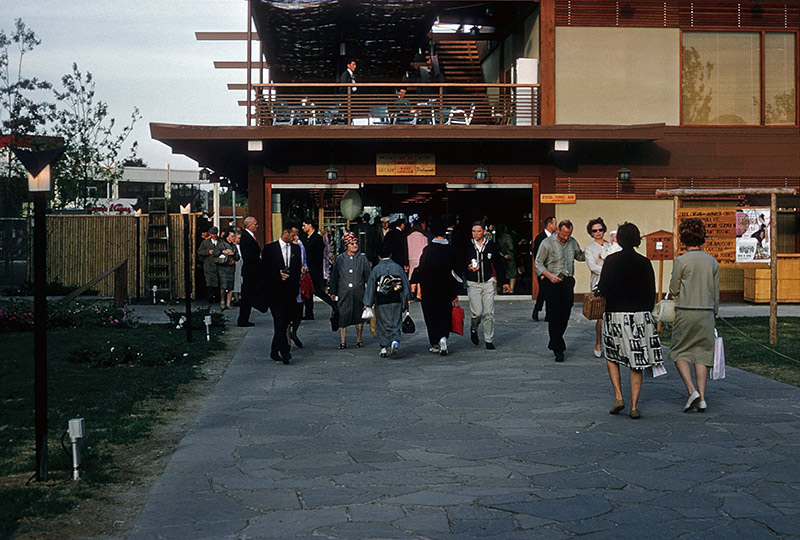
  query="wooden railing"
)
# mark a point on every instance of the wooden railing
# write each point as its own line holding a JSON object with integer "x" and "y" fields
{"x": 378, "y": 104}
{"x": 120, "y": 271}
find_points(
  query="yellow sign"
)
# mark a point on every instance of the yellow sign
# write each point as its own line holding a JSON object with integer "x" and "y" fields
{"x": 405, "y": 165}
{"x": 720, "y": 231}
{"x": 557, "y": 198}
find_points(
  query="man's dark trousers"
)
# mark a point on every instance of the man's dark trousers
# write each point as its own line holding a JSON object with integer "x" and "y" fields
{"x": 559, "y": 298}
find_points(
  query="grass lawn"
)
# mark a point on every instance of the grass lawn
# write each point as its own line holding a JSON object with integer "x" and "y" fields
{"x": 747, "y": 346}
{"x": 111, "y": 377}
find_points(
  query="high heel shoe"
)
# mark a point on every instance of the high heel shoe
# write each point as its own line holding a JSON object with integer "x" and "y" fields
{"x": 342, "y": 346}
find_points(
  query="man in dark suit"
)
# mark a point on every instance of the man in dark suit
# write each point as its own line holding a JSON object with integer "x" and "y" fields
{"x": 281, "y": 261}
{"x": 251, "y": 265}
{"x": 347, "y": 76}
{"x": 315, "y": 253}
{"x": 396, "y": 240}
{"x": 549, "y": 228}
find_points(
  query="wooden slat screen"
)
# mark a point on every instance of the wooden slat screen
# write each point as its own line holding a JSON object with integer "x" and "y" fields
{"x": 645, "y": 188}
{"x": 678, "y": 14}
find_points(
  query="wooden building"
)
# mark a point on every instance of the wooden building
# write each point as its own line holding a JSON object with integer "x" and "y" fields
{"x": 547, "y": 97}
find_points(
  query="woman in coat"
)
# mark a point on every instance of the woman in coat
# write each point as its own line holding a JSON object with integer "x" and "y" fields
{"x": 435, "y": 276}
{"x": 225, "y": 256}
{"x": 695, "y": 287}
{"x": 631, "y": 339}
{"x": 347, "y": 285}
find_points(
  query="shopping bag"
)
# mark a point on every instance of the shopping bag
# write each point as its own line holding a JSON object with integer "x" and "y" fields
{"x": 306, "y": 286}
{"x": 457, "y": 319}
{"x": 659, "y": 370}
{"x": 718, "y": 371}
{"x": 367, "y": 313}
{"x": 593, "y": 306}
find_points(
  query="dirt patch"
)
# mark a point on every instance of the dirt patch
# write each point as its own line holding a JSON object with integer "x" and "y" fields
{"x": 112, "y": 510}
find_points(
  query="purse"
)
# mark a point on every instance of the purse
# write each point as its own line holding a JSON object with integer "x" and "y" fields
{"x": 665, "y": 310}
{"x": 593, "y": 306}
{"x": 408, "y": 325}
{"x": 334, "y": 318}
{"x": 306, "y": 286}
{"x": 367, "y": 313}
{"x": 457, "y": 319}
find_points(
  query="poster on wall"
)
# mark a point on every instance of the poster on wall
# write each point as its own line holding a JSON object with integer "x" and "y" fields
{"x": 720, "y": 232}
{"x": 752, "y": 235}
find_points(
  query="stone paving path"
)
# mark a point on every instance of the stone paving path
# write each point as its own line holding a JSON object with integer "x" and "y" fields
{"x": 479, "y": 444}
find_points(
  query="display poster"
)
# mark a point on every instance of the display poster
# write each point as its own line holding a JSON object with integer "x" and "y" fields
{"x": 720, "y": 231}
{"x": 405, "y": 164}
{"x": 752, "y": 235}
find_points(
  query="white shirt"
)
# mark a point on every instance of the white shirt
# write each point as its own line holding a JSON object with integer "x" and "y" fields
{"x": 286, "y": 251}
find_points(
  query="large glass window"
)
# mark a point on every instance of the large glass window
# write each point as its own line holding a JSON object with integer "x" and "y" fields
{"x": 780, "y": 92}
{"x": 721, "y": 78}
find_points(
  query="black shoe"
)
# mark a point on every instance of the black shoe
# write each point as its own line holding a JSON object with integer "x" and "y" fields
{"x": 473, "y": 335}
{"x": 535, "y": 315}
{"x": 559, "y": 357}
{"x": 490, "y": 345}
{"x": 286, "y": 357}
{"x": 342, "y": 346}
{"x": 276, "y": 357}
{"x": 297, "y": 341}
{"x": 308, "y": 317}
{"x": 247, "y": 324}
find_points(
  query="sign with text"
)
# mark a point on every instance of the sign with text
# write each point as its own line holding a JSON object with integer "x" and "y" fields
{"x": 111, "y": 207}
{"x": 752, "y": 235}
{"x": 720, "y": 231}
{"x": 405, "y": 164}
{"x": 557, "y": 198}
{"x": 658, "y": 246}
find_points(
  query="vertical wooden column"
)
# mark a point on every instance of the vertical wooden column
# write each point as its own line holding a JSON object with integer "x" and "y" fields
{"x": 258, "y": 206}
{"x": 773, "y": 268}
{"x": 547, "y": 61}
{"x": 536, "y": 223}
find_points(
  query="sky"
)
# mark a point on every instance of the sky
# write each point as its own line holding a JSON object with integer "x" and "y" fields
{"x": 141, "y": 53}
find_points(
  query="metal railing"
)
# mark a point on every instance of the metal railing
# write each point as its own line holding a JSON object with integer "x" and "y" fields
{"x": 378, "y": 104}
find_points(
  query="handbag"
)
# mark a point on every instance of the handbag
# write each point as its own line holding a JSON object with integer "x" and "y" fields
{"x": 334, "y": 318}
{"x": 457, "y": 319}
{"x": 665, "y": 310}
{"x": 306, "y": 286}
{"x": 408, "y": 325}
{"x": 718, "y": 371}
{"x": 593, "y": 306}
{"x": 221, "y": 259}
{"x": 367, "y": 313}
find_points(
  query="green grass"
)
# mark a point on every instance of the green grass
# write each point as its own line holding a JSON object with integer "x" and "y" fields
{"x": 747, "y": 346}
{"x": 104, "y": 375}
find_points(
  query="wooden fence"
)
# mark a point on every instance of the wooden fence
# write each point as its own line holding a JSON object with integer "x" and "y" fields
{"x": 80, "y": 248}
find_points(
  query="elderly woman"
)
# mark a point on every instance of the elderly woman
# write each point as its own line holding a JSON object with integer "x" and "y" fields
{"x": 225, "y": 256}
{"x": 695, "y": 286}
{"x": 347, "y": 286}
{"x": 628, "y": 284}
{"x": 595, "y": 253}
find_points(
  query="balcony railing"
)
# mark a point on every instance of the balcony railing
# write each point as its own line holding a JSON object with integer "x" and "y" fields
{"x": 378, "y": 104}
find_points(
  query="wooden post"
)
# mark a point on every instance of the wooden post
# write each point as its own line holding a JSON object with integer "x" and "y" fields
{"x": 773, "y": 269}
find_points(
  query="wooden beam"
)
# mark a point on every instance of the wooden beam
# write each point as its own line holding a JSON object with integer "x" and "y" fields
{"x": 547, "y": 64}
{"x": 723, "y": 192}
{"x": 223, "y": 36}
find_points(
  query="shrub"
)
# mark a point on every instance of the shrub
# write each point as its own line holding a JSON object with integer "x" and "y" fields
{"x": 17, "y": 315}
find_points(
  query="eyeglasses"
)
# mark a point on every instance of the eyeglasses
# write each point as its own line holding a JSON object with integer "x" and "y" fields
{"x": 598, "y": 230}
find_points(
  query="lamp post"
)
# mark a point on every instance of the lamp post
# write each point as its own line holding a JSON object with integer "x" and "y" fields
{"x": 38, "y": 166}
{"x": 186, "y": 208}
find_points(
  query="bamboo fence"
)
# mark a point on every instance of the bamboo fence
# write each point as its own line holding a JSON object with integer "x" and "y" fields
{"x": 82, "y": 247}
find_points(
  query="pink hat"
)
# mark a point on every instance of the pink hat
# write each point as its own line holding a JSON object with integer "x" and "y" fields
{"x": 349, "y": 238}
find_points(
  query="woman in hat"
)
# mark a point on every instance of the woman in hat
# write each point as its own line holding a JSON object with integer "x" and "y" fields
{"x": 347, "y": 286}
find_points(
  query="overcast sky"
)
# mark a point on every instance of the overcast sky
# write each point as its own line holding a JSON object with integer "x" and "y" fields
{"x": 143, "y": 54}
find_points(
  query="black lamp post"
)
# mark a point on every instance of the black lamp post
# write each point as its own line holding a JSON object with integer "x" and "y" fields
{"x": 186, "y": 208}
{"x": 38, "y": 166}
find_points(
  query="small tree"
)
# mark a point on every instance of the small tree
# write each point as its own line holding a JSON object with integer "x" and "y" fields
{"x": 20, "y": 113}
{"x": 93, "y": 147}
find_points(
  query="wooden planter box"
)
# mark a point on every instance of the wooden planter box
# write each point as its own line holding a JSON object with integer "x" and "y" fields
{"x": 756, "y": 281}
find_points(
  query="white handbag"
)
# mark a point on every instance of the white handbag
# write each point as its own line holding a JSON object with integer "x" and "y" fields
{"x": 367, "y": 313}
{"x": 665, "y": 310}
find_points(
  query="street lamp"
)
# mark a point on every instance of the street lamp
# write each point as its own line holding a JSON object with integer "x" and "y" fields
{"x": 185, "y": 204}
{"x": 38, "y": 166}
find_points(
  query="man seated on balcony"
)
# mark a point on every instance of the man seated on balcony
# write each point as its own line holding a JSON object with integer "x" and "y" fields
{"x": 401, "y": 110}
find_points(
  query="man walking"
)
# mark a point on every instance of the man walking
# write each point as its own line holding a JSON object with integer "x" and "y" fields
{"x": 251, "y": 265}
{"x": 555, "y": 263}
{"x": 388, "y": 290}
{"x": 315, "y": 249}
{"x": 282, "y": 261}
{"x": 484, "y": 268}
{"x": 549, "y": 229}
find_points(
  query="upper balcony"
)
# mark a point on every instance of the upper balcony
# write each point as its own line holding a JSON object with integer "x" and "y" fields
{"x": 395, "y": 104}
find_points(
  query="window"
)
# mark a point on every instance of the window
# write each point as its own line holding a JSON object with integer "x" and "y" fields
{"x": 721, "y": 81}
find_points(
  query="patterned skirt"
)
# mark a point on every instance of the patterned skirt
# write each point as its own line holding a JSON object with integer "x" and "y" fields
{"x": 631, "y": 339}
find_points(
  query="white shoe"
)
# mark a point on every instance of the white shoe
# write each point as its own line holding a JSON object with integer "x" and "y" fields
{"x": 702, "y": 406}
{"x": 692, "y": 401}
{"x": 598, "y": 354}
{"x": 384, "y": 352}
{"x": 443, "y": 346}
{"x": 434, "y": 349}
{"x": 395, "y": 348}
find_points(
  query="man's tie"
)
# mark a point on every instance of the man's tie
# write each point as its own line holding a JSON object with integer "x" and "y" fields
{"x": 286, "y": 255}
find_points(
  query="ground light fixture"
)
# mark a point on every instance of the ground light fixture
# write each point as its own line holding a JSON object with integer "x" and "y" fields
{"x": 624, "y": 174}
{"x": 481, "y": 174}
{"x": 77, "y": 431}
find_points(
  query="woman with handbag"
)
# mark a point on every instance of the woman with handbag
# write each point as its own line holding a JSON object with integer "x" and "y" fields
{"x": 595, "y": 253}
{"x": 435, "y": 275}
{"x": 347, "y": 285}
{"x": 225, "y": 256}
{"x": 628, "y": 284}
{"x": 695, "y": 287}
